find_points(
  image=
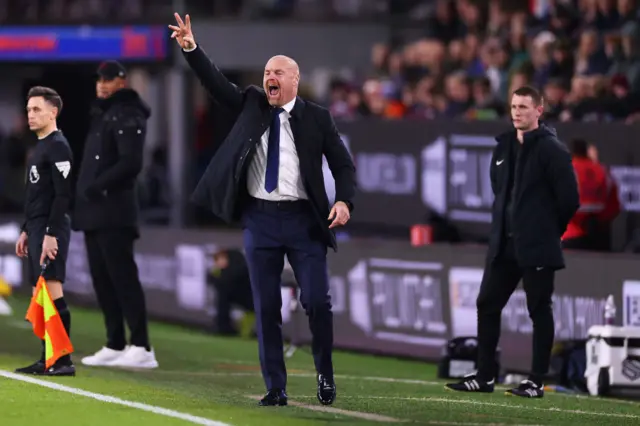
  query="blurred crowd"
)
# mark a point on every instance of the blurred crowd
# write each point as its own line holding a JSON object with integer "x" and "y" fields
{"x": 63, "y": 11}
{"x": 76, "y": 11}
{"x": 584, "y": 55}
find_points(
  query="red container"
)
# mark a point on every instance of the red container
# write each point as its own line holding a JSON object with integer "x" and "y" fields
{"x": 421, "y": 235}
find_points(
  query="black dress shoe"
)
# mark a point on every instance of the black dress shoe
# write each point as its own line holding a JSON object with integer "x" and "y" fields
{"x": 60, "y": 370}
{"x": 275, "y": 397}
{"x": 37, "y": 368}
{"x": 326, "y": 390}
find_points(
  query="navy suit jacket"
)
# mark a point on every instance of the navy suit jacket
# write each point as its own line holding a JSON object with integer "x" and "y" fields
{"x": 223, "y": 187}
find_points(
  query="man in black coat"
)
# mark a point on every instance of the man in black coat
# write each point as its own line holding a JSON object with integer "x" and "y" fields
{"x": 536, "y": 195}
{"x": 106, "y": 209}
{"x": 268, "y": 174}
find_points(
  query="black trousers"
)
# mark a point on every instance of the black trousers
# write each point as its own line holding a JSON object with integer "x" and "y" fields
{"x": 501, "y": 277}
{"x": 272, "y": 230}
{"x": 115, "y": 280}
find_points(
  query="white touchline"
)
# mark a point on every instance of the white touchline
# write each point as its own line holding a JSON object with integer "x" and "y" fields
{"x": 386, "y": 419}
{"x": 494, "y": 404}
{"x": 381, "y": 379}
{"x": 357, "y": 414}
{"x": 113, "y": 400}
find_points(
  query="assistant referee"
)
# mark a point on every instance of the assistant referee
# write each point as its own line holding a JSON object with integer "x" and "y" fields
{"x": 47, "y": 229}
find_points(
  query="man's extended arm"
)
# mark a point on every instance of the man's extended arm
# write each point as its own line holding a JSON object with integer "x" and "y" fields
{"x": 218, "y": 86}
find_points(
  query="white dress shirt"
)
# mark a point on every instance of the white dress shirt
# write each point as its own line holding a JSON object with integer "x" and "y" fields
{"x": 290, "y": 185}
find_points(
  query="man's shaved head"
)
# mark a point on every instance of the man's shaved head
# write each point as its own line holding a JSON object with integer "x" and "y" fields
{"x": 282, "y": 60}
{"x": 281, "y": 79}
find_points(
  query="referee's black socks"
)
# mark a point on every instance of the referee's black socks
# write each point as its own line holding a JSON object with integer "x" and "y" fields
{"x": 65, "y": 317}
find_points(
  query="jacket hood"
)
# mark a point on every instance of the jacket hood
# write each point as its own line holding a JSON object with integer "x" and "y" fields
{"x": 544, "y": 130}
{"x": 127, "y": 98}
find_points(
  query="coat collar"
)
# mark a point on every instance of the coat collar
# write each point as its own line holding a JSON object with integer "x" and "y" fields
{"x": 542, "y": 130}
{"x": 289, "y": 106}
{"x": 297, "y": 107}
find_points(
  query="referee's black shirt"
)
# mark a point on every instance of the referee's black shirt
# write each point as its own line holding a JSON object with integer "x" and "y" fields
{"x": 48, "y": 183}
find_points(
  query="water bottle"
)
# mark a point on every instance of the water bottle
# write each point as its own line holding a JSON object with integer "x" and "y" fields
{"x": 609, "y": 311}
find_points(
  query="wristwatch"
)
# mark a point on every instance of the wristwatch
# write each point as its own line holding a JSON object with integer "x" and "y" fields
{"x": 48, "y": 231}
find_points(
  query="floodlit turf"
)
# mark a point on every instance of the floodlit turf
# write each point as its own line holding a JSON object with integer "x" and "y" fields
{"x": 214, "y": 378}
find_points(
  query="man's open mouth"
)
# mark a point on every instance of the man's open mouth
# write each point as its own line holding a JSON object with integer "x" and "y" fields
{"x": 273, "y": 90}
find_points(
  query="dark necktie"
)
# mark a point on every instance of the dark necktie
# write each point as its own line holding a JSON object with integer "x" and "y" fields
{"x": 273, "y": 152}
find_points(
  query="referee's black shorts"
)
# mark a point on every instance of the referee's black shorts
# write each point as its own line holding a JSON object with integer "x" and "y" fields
{"x": 57, "y": 268}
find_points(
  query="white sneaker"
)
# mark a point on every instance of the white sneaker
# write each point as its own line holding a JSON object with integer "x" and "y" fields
{"x": 136, "y": 357}
{"x": 103, "y": 357}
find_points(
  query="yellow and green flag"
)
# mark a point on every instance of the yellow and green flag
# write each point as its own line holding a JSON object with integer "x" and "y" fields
{"x": 47, "y": 324}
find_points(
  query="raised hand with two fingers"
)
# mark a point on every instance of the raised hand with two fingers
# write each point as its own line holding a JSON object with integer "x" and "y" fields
{"x": 182, "y": 32}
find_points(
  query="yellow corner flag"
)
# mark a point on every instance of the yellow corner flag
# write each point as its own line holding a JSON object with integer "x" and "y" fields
{"x": 47, "y": 325}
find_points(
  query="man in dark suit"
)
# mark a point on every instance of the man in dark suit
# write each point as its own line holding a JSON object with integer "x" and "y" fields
{"x": 268, "y": 174}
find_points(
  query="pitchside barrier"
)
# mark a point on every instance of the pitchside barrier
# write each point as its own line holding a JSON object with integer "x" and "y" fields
{"x": 388, "y": 297}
